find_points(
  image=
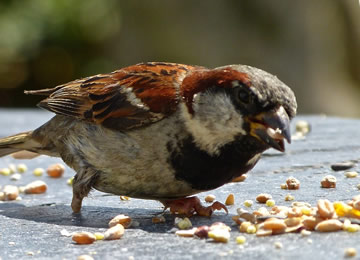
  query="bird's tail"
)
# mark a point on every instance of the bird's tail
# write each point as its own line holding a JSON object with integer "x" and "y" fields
{"x": 17, "y": 144}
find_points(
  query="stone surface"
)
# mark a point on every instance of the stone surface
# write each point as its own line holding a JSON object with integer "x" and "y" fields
{"x": 33, "y": 225}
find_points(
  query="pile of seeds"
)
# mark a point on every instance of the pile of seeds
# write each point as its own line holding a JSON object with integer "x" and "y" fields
{"x": 12, "y": 192}
{"x": 116, "y": 230}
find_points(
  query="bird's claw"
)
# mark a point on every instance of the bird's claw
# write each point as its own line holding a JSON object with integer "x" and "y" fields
{"x": 192, "y": 205}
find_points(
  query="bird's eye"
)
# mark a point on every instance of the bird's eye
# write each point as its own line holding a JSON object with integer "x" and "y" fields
{"x": 243, "y": 96}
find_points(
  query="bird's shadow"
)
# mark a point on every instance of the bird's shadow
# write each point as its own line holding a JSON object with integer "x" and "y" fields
{"x": 99, "y": 217}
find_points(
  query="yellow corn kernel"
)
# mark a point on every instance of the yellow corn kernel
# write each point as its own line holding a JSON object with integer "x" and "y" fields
{"x": 248, "y": 203}
{"x": 99, "y": 236}
{"x": 270, "y": 203}
{"x": 251, "y": 229}
{"x": 5, "y": 171}
{"x": 38, "y": 171}
{"x": 240, "y": 240}
{"x": 70, "y": 181}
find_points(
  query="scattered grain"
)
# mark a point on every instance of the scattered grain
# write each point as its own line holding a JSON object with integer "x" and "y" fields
{"x": 329, "y": 225}
{"x": 248, "y": 203}
{"x": 38, "y": 172}
{"x": 36, "y": 187}
{"x": 289, "y": 197}
{"x": 230, "y": 200}
{"x": 278, "y": 245}
{"x": 240, "y": 240}
{"x": 83, "y": 238}
{"x": 270, "y": 203}
{"x": 210, "y": 198}
{"x": 184, "y": 223}
{"x": 293, "y": 183}
{"x": 351, "y": 174}
{"x": 115, "y": 232}
{"x": 329, "y": 181}
{"x": 11, "y": 192}
{"x": 21, "y": 168}
{"x": 263, "y": 197}
{"x": 120, "y": 219}
{"x": 325, "y": 209}
{"x": 55, "y": 170}
{"x": 350, "y": 252}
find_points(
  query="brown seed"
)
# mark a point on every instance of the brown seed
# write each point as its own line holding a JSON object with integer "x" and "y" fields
{"x": 350, "y": 252}
{"x": 210, "y": 198}
{"x": 294, "y": 212}
{"x": 329, "y": 181}
{"x": 202, "y": 231}
{"x": 329, "y": 225}
{"x": 83, "y": 237}
{"x": 292, "y": 183}
{"x": 120, "y": 219}
{"x": 36, "y": 187}
{"x": 263, "y": 197}
{"x": 115, "y": 232}
{"x": 311, "y": 222}
{"x": 11, "y": 192}
{"x": 230, "y": 200}
{"x": 291, "y": 222}
{"x": 276, "y": 225}
{"x": 325, "y": 209}
{"x": 55, "y": 170}
{"x": 240, "y": 178}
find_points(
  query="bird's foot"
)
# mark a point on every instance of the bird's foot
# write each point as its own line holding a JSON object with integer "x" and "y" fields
{"x": 190, "y": 206}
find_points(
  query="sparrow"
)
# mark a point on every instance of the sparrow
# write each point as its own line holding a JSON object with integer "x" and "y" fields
{"x": 161, "y": 131}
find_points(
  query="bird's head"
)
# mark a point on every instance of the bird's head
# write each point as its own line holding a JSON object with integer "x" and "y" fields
{"x": 230, "y": 102}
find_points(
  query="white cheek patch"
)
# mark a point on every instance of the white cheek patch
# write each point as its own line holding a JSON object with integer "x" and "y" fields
{"x": 215, "y": 123}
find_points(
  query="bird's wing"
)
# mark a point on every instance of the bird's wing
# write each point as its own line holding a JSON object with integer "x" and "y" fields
{"x": 124, "y": 99}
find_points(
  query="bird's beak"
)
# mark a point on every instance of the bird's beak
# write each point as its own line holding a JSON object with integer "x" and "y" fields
{"x": 271, "y": 127}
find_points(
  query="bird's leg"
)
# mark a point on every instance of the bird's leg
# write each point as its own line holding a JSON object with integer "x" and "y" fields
{"x": 190, "y": 206}
{"x": 80, "y": 190}
{"x": 76, "y": 202}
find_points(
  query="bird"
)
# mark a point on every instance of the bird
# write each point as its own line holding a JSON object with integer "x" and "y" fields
{"x": 161, "y": 131}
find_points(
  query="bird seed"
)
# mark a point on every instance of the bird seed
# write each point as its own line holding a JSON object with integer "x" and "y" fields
{"x": 329, "y": 181}
{"x": 230, "y": 200}
{"x": 210, "y": 198}
{"x": 55, "y": 170}
{"x": 83, "y": 238}
{"x": 263, "y": 197}
{"x": 292, "y": 183}
{"x": 115, "y": 232}
{"x": 351, "y": 174}
{"x": 120, "y": 219}
{"x": 35, "y": 187}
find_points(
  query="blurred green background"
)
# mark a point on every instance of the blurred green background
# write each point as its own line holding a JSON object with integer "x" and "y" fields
{"x": 313, "y": 46}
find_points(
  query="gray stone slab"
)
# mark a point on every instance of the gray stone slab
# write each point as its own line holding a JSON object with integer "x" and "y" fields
{"x": 35, "y": 222}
